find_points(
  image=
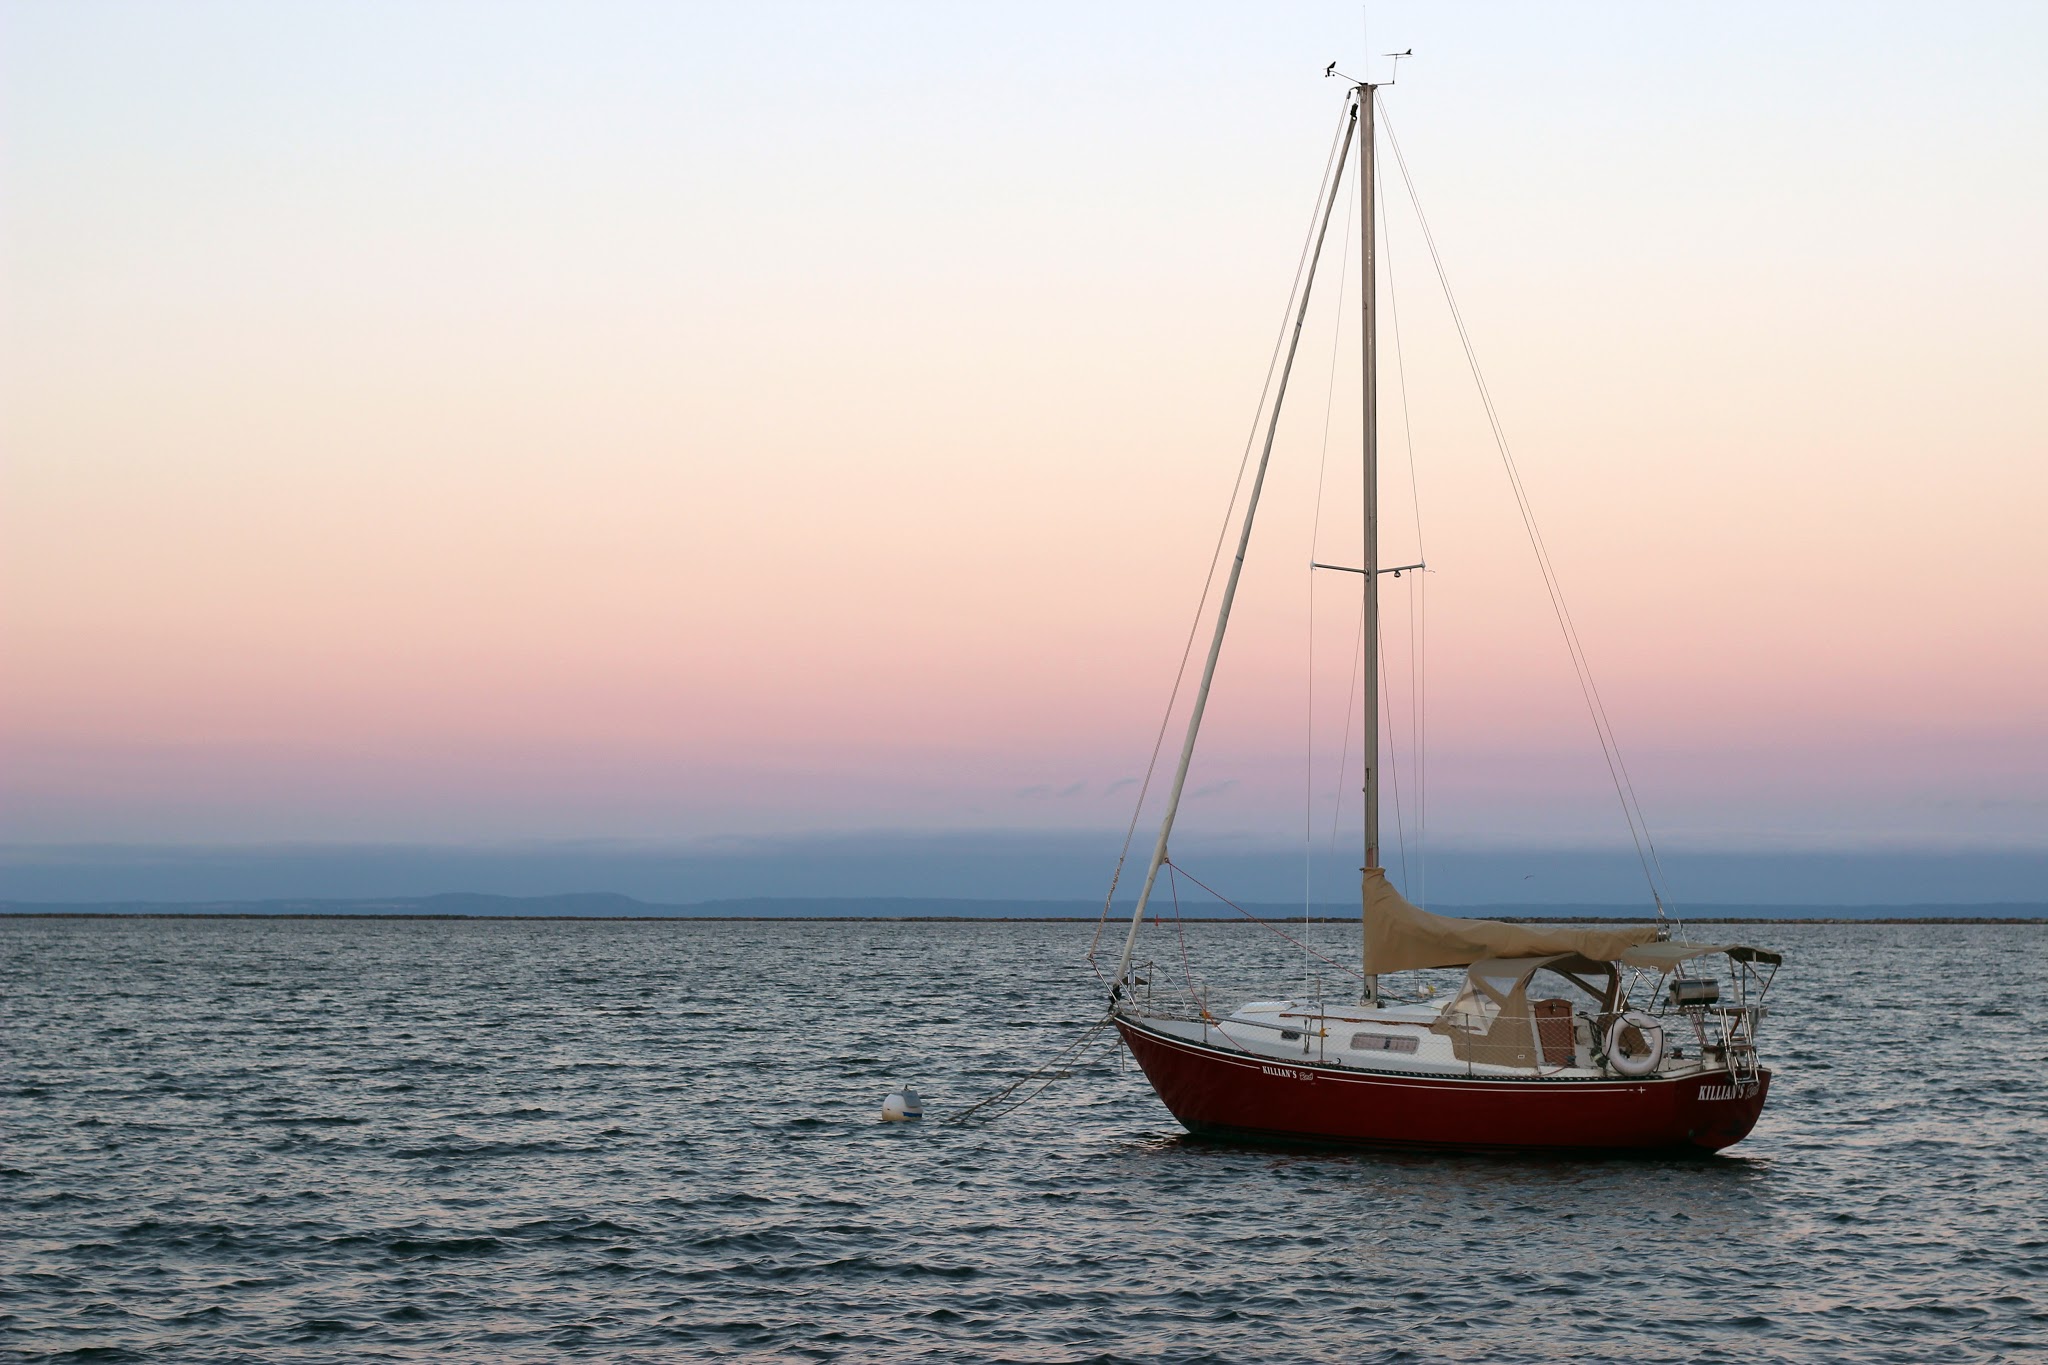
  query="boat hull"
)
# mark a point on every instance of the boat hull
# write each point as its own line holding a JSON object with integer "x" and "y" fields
{"x": 1214, "y": 1092}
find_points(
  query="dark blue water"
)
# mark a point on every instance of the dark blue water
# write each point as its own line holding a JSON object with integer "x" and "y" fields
{"x": 290, "y": 1140}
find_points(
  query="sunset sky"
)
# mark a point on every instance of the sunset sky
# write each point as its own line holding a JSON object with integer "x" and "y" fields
{"x": 470, "y": 423}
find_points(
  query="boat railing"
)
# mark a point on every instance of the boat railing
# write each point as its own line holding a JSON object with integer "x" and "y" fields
{"x": 1716, "y": 1034}
{"x": 1723, "y": 1032}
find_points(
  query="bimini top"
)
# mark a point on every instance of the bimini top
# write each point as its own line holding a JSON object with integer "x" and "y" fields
{"x": 1401, "y": 938}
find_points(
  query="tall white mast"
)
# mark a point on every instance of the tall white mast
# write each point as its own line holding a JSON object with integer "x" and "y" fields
{"x": 1368, "y": 288}
{"x": 1244, "y": 539}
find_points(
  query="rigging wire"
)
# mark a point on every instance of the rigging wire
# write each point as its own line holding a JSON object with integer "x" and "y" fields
{"x": 1394, "y": 766}
{"x": 1308, "y": 776}
{"x": 1418, "y": 587}
{"x": 1187, "y": 968}
{"x": 1269, "y": 926}
{"x": 1610, "y": 748}
{"x": 1350, "y": 705}
{"x": 1222, "y": 534}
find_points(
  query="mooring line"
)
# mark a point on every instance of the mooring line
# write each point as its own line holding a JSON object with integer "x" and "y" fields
{"x": 1053, "y": 1070}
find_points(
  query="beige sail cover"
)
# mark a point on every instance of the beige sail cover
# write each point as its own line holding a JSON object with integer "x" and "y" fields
{"x": 1401, "y": 938}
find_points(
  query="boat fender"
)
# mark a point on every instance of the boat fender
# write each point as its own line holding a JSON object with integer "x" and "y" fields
{"x": 1643, "y": 1061}
{"x": 901, "y": 1106}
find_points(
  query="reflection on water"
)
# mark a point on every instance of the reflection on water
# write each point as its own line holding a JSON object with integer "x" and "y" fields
{"x": 292, "y": 1139}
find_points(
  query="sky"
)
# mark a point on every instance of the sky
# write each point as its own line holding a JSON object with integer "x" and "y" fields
{"x": 485, "y": 425}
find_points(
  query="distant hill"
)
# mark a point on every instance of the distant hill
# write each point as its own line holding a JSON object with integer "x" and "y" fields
{"x": 608, "y": 905}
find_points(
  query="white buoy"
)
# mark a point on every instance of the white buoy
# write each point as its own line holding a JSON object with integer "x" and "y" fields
{"x": 902, "y": 1106}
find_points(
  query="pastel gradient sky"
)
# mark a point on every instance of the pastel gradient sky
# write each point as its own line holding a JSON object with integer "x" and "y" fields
{"x": 661, "y": 422}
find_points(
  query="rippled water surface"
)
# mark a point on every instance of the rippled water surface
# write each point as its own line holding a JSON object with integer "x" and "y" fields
{"x": 326, "y": 1140}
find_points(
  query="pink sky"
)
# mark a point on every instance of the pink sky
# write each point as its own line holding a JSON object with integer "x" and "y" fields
{"x": 560, "y": 443}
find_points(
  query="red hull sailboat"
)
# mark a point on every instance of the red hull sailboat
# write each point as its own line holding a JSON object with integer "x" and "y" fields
{"x": 1227, "y": 1093}
{"x": 1558, "y": 1039}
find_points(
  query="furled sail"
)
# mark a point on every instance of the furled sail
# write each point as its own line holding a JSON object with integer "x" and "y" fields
{"x": 1401, "y": 938}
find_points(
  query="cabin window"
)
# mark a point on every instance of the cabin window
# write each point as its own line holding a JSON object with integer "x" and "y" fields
{"x": 1381, "y": 1042}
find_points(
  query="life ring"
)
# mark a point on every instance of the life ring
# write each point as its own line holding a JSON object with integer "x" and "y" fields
{"x": 1639, "y": 1063}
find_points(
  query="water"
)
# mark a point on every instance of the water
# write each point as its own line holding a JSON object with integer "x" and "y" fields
{"x": 292, "y": 1140}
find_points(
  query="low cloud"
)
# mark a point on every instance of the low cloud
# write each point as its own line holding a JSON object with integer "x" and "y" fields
{"x": 1046, "y": 791}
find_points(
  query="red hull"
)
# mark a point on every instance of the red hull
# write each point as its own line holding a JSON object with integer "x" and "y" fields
{"x": 1226, "y": 1094}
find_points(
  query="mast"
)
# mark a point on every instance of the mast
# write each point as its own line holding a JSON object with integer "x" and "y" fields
{"x": 1368, "y": 287}
{"x": 1244, "y": 539}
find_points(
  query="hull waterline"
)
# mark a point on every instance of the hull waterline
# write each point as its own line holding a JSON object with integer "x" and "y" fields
{"x": 1214, "y": 1092}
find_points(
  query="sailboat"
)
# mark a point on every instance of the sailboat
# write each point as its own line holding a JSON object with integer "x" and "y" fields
{"x": 1558, "y": 1039}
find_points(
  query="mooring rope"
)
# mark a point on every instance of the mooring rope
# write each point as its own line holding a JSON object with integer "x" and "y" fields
{"x": 1057, "y": 1068}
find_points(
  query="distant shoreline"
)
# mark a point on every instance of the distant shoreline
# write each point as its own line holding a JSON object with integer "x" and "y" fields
{"x": 603, "y": 906}
{"x": 613, "y": 906}
{"x": 2041, "y": 920}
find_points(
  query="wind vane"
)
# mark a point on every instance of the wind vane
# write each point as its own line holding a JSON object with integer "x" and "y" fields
{"x": 1331, "y": 69}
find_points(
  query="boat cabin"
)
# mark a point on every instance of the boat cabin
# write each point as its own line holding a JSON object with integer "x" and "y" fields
{"x": 1540, "y": 1012}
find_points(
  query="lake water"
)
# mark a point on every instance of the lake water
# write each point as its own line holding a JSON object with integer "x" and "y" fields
{"x": 325, "y": 1140}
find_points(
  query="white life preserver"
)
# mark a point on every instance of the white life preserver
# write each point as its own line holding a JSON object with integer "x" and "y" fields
{"x": 1641, "y": 1063}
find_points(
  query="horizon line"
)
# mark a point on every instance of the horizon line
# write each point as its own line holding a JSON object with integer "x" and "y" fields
{"x": 2041, "y": 919}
